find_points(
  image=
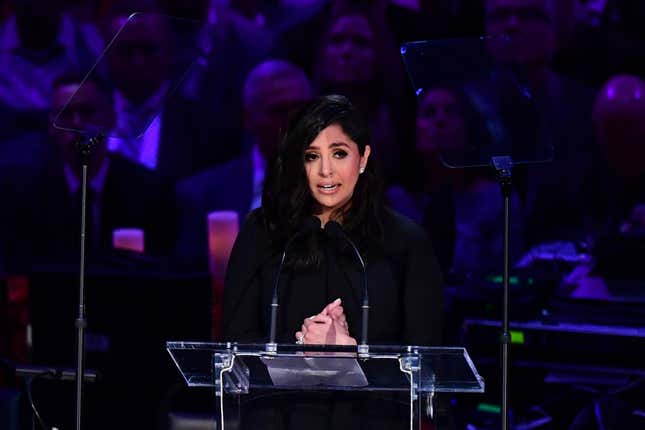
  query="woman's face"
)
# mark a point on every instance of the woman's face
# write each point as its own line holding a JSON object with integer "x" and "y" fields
{"x": 440, "y": 123}
{"x": 349, "y": 53}
{"x": 333, "y": 163}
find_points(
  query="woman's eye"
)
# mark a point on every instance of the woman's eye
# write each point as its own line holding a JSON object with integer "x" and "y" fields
{"x": 310, "y": 156}
{"x": 340, "y": 154}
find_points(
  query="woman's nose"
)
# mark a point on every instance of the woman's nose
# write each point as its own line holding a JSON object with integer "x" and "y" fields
{"x": 325, "y": 166}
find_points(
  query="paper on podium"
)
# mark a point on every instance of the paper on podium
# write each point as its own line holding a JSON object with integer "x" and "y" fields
{"x": 311, "y": 371}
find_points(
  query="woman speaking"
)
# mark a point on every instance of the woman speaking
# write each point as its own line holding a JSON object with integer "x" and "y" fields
{"x": 323, "y": 172}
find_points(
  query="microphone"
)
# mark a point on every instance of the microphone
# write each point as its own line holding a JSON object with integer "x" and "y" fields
{"x": 308, "y": 225}
{"x": 335, "y": 230}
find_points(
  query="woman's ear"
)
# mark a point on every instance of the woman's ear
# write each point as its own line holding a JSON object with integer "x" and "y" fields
{"x": 365, "y": 157}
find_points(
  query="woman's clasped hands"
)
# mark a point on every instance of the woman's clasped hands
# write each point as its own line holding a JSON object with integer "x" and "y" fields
{"x": 329, "y": 327}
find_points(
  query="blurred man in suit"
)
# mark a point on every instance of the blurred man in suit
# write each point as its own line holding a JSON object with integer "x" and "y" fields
{"x": 157, "y": 126}
{"x": 272, "y": 90}
{"x": 45, "y": 197}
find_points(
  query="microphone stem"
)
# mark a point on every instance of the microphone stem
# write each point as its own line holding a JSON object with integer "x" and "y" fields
{"x": 274, "y": 321}
{"x": 366, "y": 300}
{"x": 366, "y": 314}
{"x": 274, "y": 301}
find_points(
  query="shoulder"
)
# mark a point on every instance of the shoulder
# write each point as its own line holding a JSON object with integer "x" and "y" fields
{"x": 255, "y": 224}
{"x": 253, "y": 236}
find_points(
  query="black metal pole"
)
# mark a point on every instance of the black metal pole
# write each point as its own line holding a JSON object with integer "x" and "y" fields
{"x": 81, "y": 322}
{"x": 85, "y": 148}
{"x": 506, "y": 337}
{"x": 503, "y": 169}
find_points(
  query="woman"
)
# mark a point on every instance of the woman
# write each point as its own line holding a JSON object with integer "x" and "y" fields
{"x": 324, "y": 170}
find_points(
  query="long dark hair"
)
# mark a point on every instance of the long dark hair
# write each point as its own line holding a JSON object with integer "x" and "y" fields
{"x": 287, "y": 199}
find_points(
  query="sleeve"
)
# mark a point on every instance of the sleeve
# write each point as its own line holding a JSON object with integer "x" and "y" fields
{"x": 241, "y": 308}
{"x": 423, "y": 294}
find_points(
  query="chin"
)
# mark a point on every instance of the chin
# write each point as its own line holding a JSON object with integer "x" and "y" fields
{"x": 331, "y": 205}
{"x": 328, "y": 206}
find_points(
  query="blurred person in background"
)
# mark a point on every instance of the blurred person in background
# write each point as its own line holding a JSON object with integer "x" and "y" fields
{"x": 460, "y": 207}
{"x": 557, "y": 108}
{"x": 273, "y": 90}
{"x": 618, "y": 189}
{"x": 357, "y": 58}
{"x": 45, "y": 211}
{"x": 156, "y": 126}
{"x": 603, "y": 38}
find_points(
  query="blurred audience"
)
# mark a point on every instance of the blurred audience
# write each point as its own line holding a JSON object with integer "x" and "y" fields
{"x": 31, "y": 59}
{"x": 406, "y": 21}
{"x": 44, "y": 220}
{"x": 462, "y": 208}
{"x": 347, "y": 47}
{"x": 272, "y": 90}
{"x": 196, "y": 108}
{"x": 38, "y": 42}
{"x": 604, "y": 38}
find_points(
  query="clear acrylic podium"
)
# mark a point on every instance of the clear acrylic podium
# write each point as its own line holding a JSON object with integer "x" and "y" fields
{"x": 234, "y": 370}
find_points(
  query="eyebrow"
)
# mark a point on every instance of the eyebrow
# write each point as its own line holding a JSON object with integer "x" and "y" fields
{"x": 332, "y": 145}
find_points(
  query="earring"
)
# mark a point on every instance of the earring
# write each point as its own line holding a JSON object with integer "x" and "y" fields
{"x": 361, "y": 170}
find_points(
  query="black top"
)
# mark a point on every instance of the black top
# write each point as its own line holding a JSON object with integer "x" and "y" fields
{"x": 404, "y": 285}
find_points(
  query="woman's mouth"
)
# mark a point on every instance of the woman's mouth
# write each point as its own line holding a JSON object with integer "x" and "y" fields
{"x": 328, "y": 188}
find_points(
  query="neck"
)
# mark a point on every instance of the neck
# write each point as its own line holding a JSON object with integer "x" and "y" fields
{"x": 326, "y": 215}
{"x": 323, "y": 217}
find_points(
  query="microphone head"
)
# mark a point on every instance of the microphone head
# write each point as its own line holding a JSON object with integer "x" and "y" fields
{"x": 334, "y": 229}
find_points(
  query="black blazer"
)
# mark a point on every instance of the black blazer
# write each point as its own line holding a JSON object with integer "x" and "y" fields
{"x": 406, "y": 296}
{"x": 44, "y": 218}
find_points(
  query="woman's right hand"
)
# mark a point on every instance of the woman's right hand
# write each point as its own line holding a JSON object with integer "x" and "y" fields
{"x": 337, "y": 313}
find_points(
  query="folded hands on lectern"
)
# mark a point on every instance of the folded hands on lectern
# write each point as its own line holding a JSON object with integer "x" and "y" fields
{"x": 329, "y": 327}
